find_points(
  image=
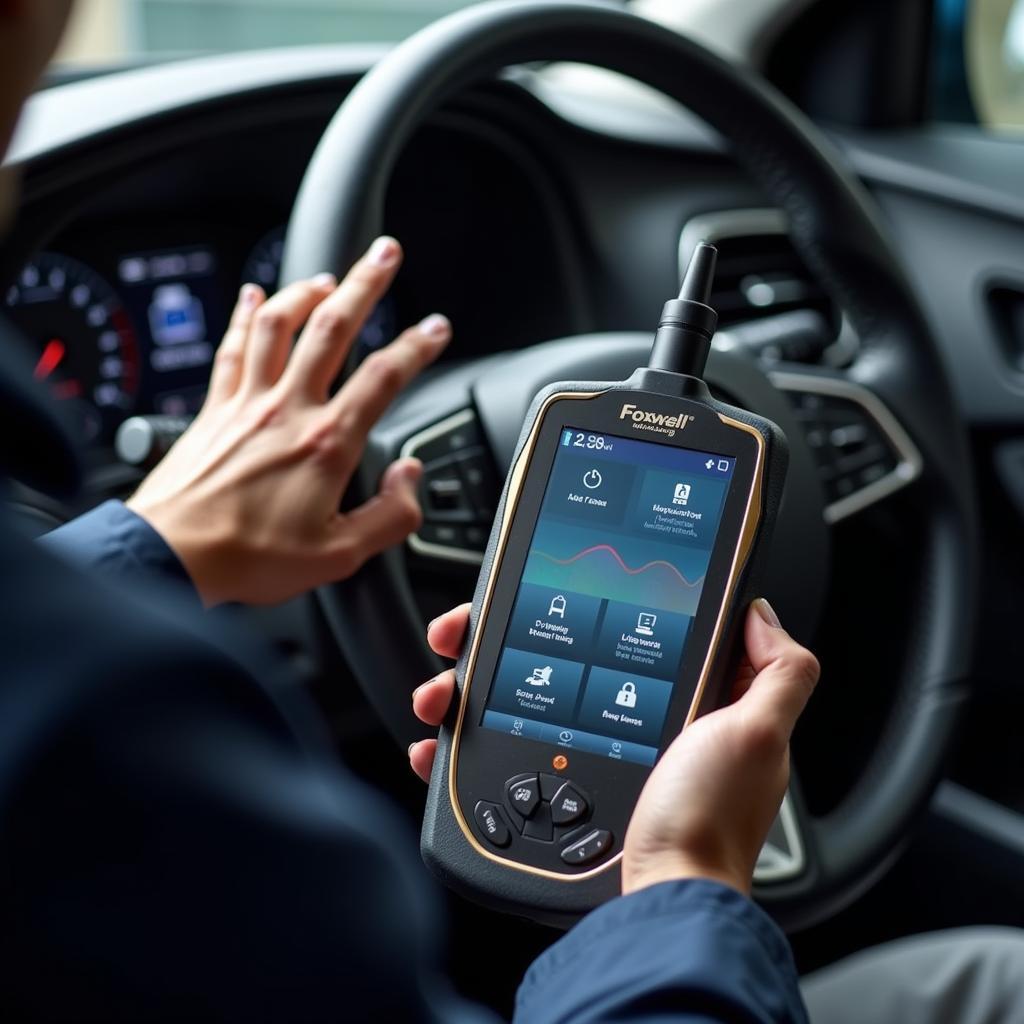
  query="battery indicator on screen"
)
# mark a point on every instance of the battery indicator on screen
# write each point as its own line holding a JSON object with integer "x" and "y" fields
{"x": 566, "y": 438}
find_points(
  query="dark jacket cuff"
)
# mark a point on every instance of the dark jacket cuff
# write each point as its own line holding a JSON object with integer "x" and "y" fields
{"x": 115, "y": 542}
{"x": 688, "y": 951}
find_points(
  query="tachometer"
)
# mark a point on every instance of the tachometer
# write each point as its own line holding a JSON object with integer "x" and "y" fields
{"x": 263, "y": 267}
{"x": 86, "y": 345}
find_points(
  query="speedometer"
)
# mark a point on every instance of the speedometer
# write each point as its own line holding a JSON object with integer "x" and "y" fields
{"x": 86, "y": 347}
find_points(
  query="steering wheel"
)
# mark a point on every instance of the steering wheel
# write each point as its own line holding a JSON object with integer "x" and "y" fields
{"x": 897, "y": 383}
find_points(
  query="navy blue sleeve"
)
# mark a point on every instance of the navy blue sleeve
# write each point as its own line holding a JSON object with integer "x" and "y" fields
{"x": 689, "y": 952}
{"x": 115, "y": 542}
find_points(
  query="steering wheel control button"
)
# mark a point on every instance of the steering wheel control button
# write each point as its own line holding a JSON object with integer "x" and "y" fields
{"x": 459, "y": 490}
{"x": 443, "y": 493}
{"x": 593, "y": 845}
{"x": 481, "y": 483}
{"x": 446, "y": 535}
{"x": 450, "y": 437}
{"x": 568, "y": 805}
{"x": 523, "y": 795}
{"x": 851, "y": 449}
{"x": 490, "y": 822}
{"x": 862, "y": 452}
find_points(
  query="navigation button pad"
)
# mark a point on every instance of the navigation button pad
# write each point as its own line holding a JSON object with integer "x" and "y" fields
{"x": 542, "y": 807}
{"x": 568, "y": 805}
{"x": 594, "y": 844}
{"x": 523, "y": 794}
{"x": 491, "y": 823}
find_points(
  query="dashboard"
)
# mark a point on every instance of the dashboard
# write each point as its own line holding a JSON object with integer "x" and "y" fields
{"x": 124, "y": 328}
{"x": 123, "y": 283}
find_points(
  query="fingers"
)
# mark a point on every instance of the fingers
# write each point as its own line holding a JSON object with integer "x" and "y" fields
{"x": 430, "y": 702}
{"x": 274, "y": 325}
{"x": 370, "y": 390}
{"x": 447, "y": 632}
{"x": 786, "y": 673}
{"x": 383, "y": 521}
{"x": 421, "y": 758}
{"x": 328, "y": 336}
{"x": 230, "y": 357}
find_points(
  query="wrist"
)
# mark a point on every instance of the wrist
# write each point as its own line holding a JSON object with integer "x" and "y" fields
{"x": 642, "y": 873}
{"x": 187, "y": 548}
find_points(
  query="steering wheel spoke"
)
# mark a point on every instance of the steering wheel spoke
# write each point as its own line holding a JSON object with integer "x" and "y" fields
{"x": 459, "y": 491}
{"x": 783, "y": 856}
{"x": 862, "y": 453}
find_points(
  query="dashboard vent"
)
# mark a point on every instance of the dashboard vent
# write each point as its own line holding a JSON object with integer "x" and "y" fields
{"x": 760, "y": 274}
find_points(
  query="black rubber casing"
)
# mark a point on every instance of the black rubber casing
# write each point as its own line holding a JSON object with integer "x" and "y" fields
{"x": 445, "y": 848}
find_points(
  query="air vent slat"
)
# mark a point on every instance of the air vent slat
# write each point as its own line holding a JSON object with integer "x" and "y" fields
{"x": 760, "y": 274}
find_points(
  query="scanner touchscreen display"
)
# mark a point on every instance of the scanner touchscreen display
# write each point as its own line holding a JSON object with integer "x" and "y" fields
{"x": 609, "y": 591}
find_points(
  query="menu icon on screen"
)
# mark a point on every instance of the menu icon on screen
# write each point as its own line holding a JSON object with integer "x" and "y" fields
{"x": 645, "y": 623}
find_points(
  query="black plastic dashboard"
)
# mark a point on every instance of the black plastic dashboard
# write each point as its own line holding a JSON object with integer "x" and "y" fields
{"x": 123, "y": 277}
{"x": 562, "y": 206}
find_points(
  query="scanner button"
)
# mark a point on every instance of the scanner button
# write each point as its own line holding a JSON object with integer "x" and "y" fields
{"x": 491, "y": 824}
{"x": 593, "y": 845}
{"x": 568, "y": 805}
{"x": 539, "y": 826}
{"x": 550, "y": 785}
{"x": 523, "y": 795}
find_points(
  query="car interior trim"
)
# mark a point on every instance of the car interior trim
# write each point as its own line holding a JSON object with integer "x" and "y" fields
{"x": 775, "y": 864}
{"x": 910, "y": 464}
{"x": 712, "y": 227}
{"x": 409, "y": 449}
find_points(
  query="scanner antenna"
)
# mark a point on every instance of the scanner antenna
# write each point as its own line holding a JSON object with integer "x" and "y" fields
{"x": 688, "y": 323}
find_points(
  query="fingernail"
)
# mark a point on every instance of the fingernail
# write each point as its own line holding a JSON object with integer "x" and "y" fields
{"x": 408, "y": 753}
{"x": 249, "y": 295}
{"x": 767, "y": 613}
{"x": 436, "y": 326}
{"x": 410, "y": 470}
{"x": 430, "y": 625}
{"x": 432, "y": 679}
{"x": 383, "y": 252}
{"x": 325, "y": 280}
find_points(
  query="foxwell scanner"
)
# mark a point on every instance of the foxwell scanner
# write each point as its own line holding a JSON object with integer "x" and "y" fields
{"x": 608, "y": 615}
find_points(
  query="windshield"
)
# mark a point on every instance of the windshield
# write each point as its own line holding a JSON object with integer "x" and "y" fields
{"x": 105, "y": 31}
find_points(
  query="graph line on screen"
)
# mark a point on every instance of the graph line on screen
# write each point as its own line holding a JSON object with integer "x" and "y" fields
{"x": 601, "y": 571}
{"x": 618, "y": 558}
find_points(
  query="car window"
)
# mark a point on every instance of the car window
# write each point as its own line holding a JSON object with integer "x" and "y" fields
{"x": 105, "y": 31}
{"x": 978, "y": 63}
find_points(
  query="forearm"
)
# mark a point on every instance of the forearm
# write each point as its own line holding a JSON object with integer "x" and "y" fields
{"x": 692, "y": 952}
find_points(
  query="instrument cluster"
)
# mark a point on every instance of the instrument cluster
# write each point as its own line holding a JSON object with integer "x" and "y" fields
{"x": 139, "y": 336}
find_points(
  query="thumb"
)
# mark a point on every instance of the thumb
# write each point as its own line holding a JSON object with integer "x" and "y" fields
{"x": 383, "y": 521}
{"x": 785, "y": 672}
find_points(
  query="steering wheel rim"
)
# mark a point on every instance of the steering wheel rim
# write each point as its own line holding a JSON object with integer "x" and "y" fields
{"x": 833, "y": 224}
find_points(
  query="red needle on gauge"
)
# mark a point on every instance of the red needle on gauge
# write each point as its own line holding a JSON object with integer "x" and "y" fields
{"x": 50, "y": 359}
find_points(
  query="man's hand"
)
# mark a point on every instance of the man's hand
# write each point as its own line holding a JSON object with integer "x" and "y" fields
{"x": 248, "y": 497}
{"x": 707, "y": 806}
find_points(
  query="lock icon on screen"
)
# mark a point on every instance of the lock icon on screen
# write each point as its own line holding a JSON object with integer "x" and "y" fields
{"x": 627, "y": 696}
